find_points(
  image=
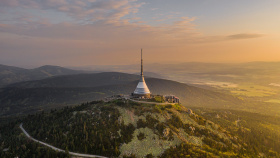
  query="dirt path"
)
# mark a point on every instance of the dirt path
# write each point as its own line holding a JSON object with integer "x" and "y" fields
{"x": 55, "y": 148}
{"x": 145, "y": 102}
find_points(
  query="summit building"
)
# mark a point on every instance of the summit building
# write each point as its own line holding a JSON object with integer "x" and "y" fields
{"x": 142, "y": 90}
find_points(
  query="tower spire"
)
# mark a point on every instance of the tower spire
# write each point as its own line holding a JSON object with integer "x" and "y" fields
{"x": 141, "y": 64}
{"x": 142, "y": 89}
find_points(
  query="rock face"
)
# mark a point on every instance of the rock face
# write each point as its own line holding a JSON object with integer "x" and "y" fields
{"x": 166, "y": 132}
{"x": 190, "y": 111}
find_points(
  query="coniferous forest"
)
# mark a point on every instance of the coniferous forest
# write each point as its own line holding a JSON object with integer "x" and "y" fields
{"x": 126, "y": 129}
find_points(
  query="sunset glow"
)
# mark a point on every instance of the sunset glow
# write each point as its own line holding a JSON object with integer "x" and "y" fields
{"x": 106, "y": 32}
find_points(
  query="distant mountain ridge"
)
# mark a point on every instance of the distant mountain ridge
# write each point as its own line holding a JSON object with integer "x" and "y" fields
{"x": 11, "y": 74}
{"x": 74, "y": 89}
{"x": 80, "y": 80}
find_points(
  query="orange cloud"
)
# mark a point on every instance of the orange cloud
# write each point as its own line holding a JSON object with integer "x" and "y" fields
{"x": 244, "y": 36}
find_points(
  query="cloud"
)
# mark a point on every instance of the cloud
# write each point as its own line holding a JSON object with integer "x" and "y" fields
{"x": 91, "y": 27}
{"x": 87, "y": 11}
{"x": 91, "y": 20}
{"x": 244, "y": 36}
{"x": 4, "y": 26}
{"x": 181, "y": 29}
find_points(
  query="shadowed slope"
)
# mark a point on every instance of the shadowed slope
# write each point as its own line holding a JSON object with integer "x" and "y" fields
{"x": 59, "y": 91}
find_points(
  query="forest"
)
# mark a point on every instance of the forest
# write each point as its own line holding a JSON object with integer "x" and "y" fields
{"x": 101, "y": 128}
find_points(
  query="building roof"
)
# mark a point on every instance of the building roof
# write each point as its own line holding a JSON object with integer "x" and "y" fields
{"x": 142, "y": 87}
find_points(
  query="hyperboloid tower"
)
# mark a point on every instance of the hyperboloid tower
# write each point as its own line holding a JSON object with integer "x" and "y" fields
{"x": 142, "y": 89}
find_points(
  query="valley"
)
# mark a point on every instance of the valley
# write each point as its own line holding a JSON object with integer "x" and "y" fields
{"x": 246, "y": 113}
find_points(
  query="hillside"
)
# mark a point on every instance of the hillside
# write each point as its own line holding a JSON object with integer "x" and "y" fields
{"x": 10, "y": 74}
{"x": 31, "y": 96}
{"x": 258, "y": 130}
{"x": 80, "y": 80}
{"x": 126, "y": 129}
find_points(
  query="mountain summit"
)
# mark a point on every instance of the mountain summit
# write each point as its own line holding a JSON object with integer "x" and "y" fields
{"x": 11, "y": 74}
{"x": 123, "y": 128}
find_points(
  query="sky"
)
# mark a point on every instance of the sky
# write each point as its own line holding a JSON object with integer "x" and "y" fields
{"x": 112, "y": 32}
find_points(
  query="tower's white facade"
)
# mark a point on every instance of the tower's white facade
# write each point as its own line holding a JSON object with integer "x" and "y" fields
{"x": 142, "y": 89}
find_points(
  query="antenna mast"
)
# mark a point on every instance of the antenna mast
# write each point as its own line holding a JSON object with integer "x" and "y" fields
{"x": 141, "y": 64}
